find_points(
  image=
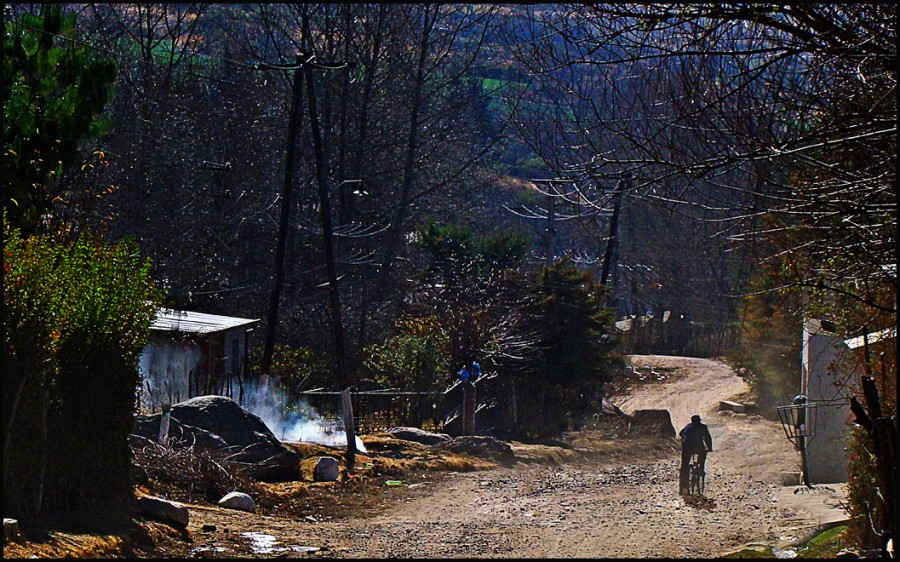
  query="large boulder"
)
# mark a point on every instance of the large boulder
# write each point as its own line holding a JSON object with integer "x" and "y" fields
{"x": 219, "y": 424}
{"x": 651, "y": 423}
{"x": 165, "y": 510}
{"x": 418, "y": 435}
{"x": 179, "y": 435}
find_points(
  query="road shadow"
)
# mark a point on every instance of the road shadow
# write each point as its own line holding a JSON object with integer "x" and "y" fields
{"x": 700, "y": 502}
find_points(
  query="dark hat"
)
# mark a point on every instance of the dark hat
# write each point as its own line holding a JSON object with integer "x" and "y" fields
{"x": 695, "y": 418}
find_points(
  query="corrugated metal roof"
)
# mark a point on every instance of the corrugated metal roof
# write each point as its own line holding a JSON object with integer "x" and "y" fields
{"x": 169, "y": 320}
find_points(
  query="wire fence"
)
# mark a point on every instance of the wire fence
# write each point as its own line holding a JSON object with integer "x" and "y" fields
{"x": 380, "y": 410}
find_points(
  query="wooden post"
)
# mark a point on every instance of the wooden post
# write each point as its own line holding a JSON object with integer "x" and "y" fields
{"x": 468, "y": 408}
{"x": 883, "y": 433}
{"x": 45, "y": 403}
{"x": 349, "y": 429}
{"x": 164, "y": 424}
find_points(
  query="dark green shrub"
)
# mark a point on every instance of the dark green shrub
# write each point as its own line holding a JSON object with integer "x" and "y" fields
{"x": 54, "y": 90}
{"x": 77, "y": 316}
{"x": 414, "y": 358}
{"x": 575, "y": 349}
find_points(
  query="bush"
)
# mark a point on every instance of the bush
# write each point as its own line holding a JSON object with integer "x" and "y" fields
{"x": 575, "y": 350}
{"x": 862, "y": 492}
{"x": 188, "y": 474}
{"x": 77, "y": 316}
{"x": 414, "y": 358}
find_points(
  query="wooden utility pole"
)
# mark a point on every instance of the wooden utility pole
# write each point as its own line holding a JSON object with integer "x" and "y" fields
{"x": 551, "y": 228}
{"x": 284, "y": 219}
{"x": 550, "y": 232}
{"x": 337, "y": 326}
{"x": 303, "y": 66}
{"x": 624, "y": 183}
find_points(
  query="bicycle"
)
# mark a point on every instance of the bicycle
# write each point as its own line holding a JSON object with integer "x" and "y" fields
{"x": 696, "y": 480}
{"x": 696, "y": 476}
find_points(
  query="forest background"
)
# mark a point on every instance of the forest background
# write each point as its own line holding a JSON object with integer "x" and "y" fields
{"x": 440, "y": 183}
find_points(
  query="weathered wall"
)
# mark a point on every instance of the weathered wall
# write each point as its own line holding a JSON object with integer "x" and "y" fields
{"x": 826, "y": 452}
{"x": 166, "y": 365}
{"x": 174, "y": 370}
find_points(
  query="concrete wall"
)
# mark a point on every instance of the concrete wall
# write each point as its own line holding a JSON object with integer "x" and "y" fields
{"x": 826, "y": 452}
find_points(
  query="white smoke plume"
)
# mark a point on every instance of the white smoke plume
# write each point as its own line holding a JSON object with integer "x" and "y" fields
{"x": 301, "y": 424}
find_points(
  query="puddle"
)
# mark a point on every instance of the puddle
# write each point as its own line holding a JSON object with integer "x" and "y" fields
{"x": 786, "y": 553}
{"x": 209, "y": 549}
{"x": 262, "y": 543}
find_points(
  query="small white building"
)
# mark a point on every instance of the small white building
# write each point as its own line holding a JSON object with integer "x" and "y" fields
{"x": 831, "y": 369}
{"x": 193, "y": 354}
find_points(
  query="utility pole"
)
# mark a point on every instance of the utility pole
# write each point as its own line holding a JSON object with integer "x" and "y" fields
{"x": 624, "y": 183}
{"x": 284, "y": 219}
{"x": 328, "y": 243}
{"x": 302, "y": 67}
{"x": 551, "y": 229}
{"x": 551, "y": 216}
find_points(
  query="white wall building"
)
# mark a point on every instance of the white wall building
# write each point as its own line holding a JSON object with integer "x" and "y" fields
{"x": 193, "y": 354}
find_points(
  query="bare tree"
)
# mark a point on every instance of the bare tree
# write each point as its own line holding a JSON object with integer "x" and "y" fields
{"x": 725, "y": 114}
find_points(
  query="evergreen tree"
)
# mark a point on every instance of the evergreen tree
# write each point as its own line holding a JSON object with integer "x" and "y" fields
{"x": 53, "y": 92}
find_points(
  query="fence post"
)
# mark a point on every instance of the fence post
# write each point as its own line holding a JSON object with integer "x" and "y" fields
{"x": 163, "y": 438}
{"x": 349, "y": 429}
{"x": 468, "y": 408}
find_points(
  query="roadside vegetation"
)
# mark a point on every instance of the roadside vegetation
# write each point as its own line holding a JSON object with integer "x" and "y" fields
{"x": 505, "y": 182}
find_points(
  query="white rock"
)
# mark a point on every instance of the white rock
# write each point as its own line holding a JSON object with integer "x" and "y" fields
{"x": 238, "y": 500}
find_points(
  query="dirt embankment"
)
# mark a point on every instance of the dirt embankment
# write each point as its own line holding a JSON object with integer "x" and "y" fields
{"x": 602, "y": 497}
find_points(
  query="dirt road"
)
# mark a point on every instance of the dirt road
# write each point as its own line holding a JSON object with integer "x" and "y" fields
{"x": 607, "y": 507}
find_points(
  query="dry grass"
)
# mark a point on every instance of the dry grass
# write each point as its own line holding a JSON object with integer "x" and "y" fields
{"x": 110, "y": 531}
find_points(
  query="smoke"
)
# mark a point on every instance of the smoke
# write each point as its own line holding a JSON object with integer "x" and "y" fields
{"x": 300, "y": 423}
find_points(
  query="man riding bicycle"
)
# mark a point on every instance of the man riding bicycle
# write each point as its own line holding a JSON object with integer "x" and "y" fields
{"x": 695, "y": 438}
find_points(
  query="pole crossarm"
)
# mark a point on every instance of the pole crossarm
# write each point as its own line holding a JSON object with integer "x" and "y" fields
{"x": 306, "y": 60}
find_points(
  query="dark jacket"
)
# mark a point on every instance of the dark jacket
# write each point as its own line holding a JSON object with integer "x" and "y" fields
{"x": 694, "y": 436}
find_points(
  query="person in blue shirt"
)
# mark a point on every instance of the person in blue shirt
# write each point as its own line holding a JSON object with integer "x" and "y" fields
{"x": 476, "y": 371}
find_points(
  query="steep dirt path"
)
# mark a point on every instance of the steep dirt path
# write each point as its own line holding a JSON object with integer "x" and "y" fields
{"x": 746, "y": 444}
{"x": 602, "y": 508}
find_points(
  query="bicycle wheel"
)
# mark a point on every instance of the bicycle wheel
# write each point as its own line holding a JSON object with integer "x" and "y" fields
{"x": 696, "y": 478}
